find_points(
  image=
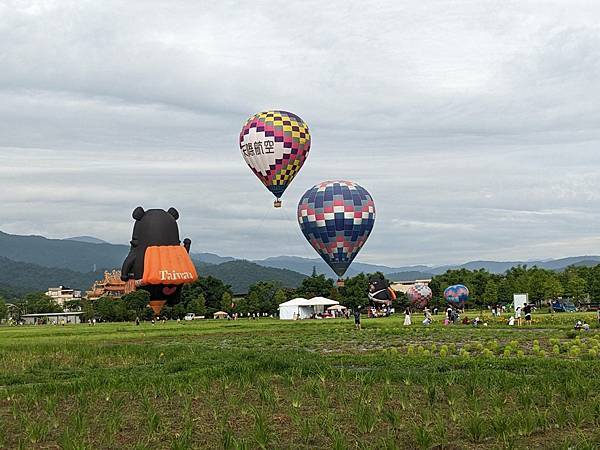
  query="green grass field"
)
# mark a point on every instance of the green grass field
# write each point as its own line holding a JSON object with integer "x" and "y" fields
{"x": 311, "y": 384}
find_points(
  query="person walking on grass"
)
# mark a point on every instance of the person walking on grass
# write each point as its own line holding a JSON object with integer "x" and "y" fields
{"x": 357, "y": 324}
{"x": 407, "y": 321}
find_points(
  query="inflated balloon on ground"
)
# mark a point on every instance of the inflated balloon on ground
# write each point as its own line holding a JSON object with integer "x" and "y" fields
{"x": 157, "y": 262}
{"x": 337, "y": 217}
{"x": 275, "y": 145}
{"x": 419, "y": 295}
{"x": 456, "y": 294}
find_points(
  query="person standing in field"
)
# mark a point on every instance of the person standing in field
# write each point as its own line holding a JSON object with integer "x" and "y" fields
{"x": 428, "y": 315}
{"x": 357, "y": 324}
{"x": 518, "y": 315}
{"x": 407, "y": 321}
{"x": 527, "y": 310}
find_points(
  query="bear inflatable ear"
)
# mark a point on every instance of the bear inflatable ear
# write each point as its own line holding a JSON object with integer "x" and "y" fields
{"x": 174, "y": 213}
{"x": 138, "y": 213}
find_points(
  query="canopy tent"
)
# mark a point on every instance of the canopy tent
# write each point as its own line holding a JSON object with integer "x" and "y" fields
{"x": 300, "y": 308}
{"x": 322, "y": 301}
{"x": 297, "y": 308}
{"x": 220, "y": 315}
{"x": 319, "y": 303}
{"x": 337, "y": 308}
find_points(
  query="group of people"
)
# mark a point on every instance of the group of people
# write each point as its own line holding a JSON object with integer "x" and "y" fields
{"x": 521, "y": 311}
{"x": 427, "y": 320}
{"x": 582, "y": 325}
{"x": 374, "y": 312}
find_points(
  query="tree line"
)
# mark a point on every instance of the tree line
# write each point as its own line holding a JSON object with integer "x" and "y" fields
{"x": 209, "y": 294}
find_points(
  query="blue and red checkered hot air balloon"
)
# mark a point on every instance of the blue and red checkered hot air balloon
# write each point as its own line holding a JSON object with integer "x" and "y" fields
{"x": 275, "y": 144}
{"x": 419, "y": 295}
{"x": 336, "y": 217}
{"x": 457, "y": 294}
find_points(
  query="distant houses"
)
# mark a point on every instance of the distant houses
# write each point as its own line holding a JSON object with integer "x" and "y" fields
{"x": 110, "y": 285}
{"x": 63, "y": 294}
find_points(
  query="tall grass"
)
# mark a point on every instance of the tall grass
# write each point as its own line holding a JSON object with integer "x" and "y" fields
{"x": 308, "y": 385}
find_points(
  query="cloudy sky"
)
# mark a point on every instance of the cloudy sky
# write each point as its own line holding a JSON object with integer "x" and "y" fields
{"x": 474, "y": 124}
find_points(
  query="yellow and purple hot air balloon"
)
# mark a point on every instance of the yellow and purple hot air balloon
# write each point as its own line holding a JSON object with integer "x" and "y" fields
{"x": 337, "y": 217}
{"x": 275, "y": 145}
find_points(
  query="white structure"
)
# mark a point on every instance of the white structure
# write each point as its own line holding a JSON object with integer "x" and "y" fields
{"x": 58, "y": 318}
{"x": 63, "y": 294}
{"x": 319, "y": 303}
{"x": 520, "y": 300}
{"x": 295, "y": 309}
{"x": 300, "y": 308}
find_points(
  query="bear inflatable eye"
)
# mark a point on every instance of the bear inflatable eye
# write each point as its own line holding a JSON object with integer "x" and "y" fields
{"x": 174, "y": 213}
{"x": 138, "y": 213}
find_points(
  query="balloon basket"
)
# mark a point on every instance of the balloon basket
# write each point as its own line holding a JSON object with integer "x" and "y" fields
{"x": 340, "y": 282}
{"x": 277, "y": 204}
{"x": 157, "y": 306}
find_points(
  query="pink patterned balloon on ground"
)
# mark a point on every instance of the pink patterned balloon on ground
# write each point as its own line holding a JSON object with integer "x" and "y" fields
{"x": 419, "y": 295}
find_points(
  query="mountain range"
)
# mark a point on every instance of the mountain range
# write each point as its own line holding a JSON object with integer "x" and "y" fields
{"x": 305, "y": 266}
{"x": 36, "y": 262}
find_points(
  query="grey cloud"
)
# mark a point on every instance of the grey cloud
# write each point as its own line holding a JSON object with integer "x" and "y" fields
{"x": 473, "y": 124}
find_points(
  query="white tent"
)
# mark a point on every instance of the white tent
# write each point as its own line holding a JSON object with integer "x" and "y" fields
{"x": 337, "y": 308}
{"x": 319, "y": 303}
{"x": 297, "y": 308}
{"x": 322, "y": 301}
{"x": 300, "y": 308}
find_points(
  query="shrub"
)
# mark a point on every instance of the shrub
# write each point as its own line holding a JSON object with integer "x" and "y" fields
{"x": 488, "y": 353}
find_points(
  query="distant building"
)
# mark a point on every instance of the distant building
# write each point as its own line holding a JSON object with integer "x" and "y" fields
{"x": 404, "y": 286}
{"x": 58, "y": 318}
{"x": 110, "y": 286}
{"x": 63, "y": 294}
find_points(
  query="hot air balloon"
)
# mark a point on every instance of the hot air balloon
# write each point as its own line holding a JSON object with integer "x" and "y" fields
{"x": 336, "y": 217}
{"x": 157, "y": 262}
{"x": 275, "y": 144}
{"x": 419, "y": 295}
{"x": 380, "y": 290}
{"x": 457, "y": 294}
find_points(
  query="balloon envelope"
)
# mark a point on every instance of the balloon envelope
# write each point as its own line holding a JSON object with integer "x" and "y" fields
{"x": 275, "y": 144}
{"x": 336, "y": 217}
{"x": 419, "y": 295}
{"x": 457, "y": 293}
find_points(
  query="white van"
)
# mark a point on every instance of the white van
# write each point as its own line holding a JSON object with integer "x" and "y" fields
{"x": 192, "y": 316}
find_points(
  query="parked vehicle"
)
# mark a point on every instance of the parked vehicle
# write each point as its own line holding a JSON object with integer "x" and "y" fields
{"x": 192, "y": 316}
{"x": 563, "y": 305}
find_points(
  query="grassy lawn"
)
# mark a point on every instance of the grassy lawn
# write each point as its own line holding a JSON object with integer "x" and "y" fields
{"x": 311, "y": 384}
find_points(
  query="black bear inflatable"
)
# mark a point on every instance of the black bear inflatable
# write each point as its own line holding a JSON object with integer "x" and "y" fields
{"x": 380, "y": 290}
{"x": 157, "y": 262}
